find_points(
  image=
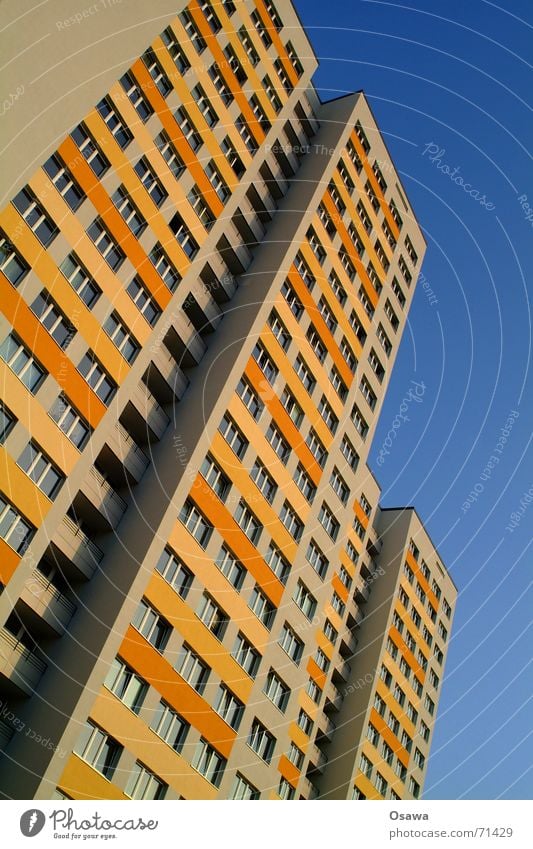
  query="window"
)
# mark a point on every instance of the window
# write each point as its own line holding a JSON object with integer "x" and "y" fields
{"x": 141, "y": 105}
{"x": 305, "y": 374}
{"x": 328, "y": 521}
{"x": 279, "y": 330}
{"x": 261, "y": 741}
{"x": 275, "y": 18}
{"x": 447, "y": 609}
{"x": 264, "y": 362}
{"x": 184, "y": 237}
{"x": 304, "y": 271}
{"x": 97, "y": 378}
{"x": 121, "y": 337}
{"x": 230, "y": 568}
{"x": 443, "y": 632}
{"x": 170, "y": 154}
{"x": 338, "y": 604}
{"x": 245, "y": 134}
{"x": 99, "y": 750}
{"x": 90, "y": 150}
{"x": 364, "y": 217}
{"x": 293, "y": 524}
{"x": 229, "y": 707}
{"x": 387, "y": 754}
{"x": 350, "y": 454}
{"x": 219, "y": 83}
{"x": 393, "y": 723}
{"x": 250, "y": 399}
{"x": 64, "y": 181}
{"x": 150, "y": 181}
{"x": 399, "y": 695}
{"x": 406, "y": 274}
{"x": 391, "y": 315}
{"x": 365, "y": 301}
{"x": 174, "y": 572}
{"x": 204, "y": 105}
{"x": 381, "y": 784}
{"x": 376, "y": 366}
{"x": 21, "y": 363}
{"x": 11, "y": 263}
{"x": 424, "y": 731}
{"x": 53, "y": 319}
{"x": 126, "y": 685}
{"x": 277, "y": 691}
{"x": 143, "y": 301}
{"x": 233, "y": 436}
{"x": 412, "y": 713}
{"x": 352, "y": 552}
{"x": 305, "y": 722}
{"x": 305, "y": 600}
{"x": 385, "y": 675}
{"x": 208, "y": 762}
{"x": 260, "y": 605}
{"x": 13, "y": 528}
{"x": 114, "y": 121}
{"x": 354, "y": 156}
{"x": 330, "y": 632}
{"x": 35, "y": 216}
{"x": 195, "y": 523}
{"x": 304, "y": 483}
{"x": 372, "y": 197}
{"x": 246, "y": 655}
{"x": 155, "y": 70}
{"x": 339, "y": 204}
{"x": 213, "y": 175}
{"x": 348, "y": 355}
{"x": 392, "y": 648}
{"x": 280, "y": 446}
{"x": 322, "y": 660}
{"x": 316, "y": 447}
{"x": 316, "y": 246}
{"x": 263, "y": 481}
{"x": 338, "y": 289}
{"x": 295, "y": 62}
{"x": 188, "y": 129}
{"x": 152, "y": 626}
{"x": 128, "y": 211}
{"x": 164, "y": 267}
{"x": 40, "y": 470}
{"x": 414, "y": 788}
{"x": 406, "y": 741}
{"x": 79, "y": 279}
{"x": 232, "y": 157}
{"x": 7, "y": 422}
{"x": 294, "y": 303}
{"x": 365, "y": 766}
{"x": 291, "y": 644}
{"x": 242, "y": 789}
{"x": 415, "y": 616}
{"x": 379, "y": 705}
{"x": 215, "y": 477}
{"x": 278, "y": 563}
{"x": 327, "y": 315}
{"x": 212, "y": 616}
{"x": 368, "y": 393}
{"x": 330, "y": 419}
{"x": 103, "y": 242}
{"x": 339, "y": 486}
{"x": 176, "y": 51}
{"x": 193, "y": 669}
{"x": 170, "y": 726}
{"x": 271, "y": 92}
{"x": 259, "y": 113}
{"x": 286, "y": 790}
{"x": 295, "y": 755}
{"x": 292, "y": 407}
{"x": 247, "y": 522}
{"x": 397, "y": 289}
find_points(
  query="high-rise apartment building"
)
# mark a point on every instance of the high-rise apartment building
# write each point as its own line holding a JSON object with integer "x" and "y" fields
{"x": 203, "y": 291}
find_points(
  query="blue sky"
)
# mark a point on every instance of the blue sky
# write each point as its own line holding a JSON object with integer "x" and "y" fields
{"x": 456, "y": 75}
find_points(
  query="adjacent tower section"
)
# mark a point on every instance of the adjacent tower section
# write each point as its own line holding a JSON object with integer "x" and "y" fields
{"x": 204, "y": 288}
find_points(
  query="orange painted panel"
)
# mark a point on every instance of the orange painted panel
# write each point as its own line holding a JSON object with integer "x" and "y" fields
{"x": 288, "y": 770}
{"x": 9, "y": 561}
{"x": 316, "y": 673}
{"x": 21, "y": 491}
{"x": 390, "y": 738}
{"x": 81, "y": 781}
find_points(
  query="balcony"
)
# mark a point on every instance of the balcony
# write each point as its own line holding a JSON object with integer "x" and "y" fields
{"x": 164, "y": 378}
{"x": 317, "y": 758}
{"x": 19, "y": 665}
{"x": 344, "y": 670}
{"x": 204, "y": 311}
{"x": 326, "y": 729}
{"x": 308, "y": 788}
{"x": 374, "y": 545}
{"x": 361, "y": 591}
{"x": 143, "y": 418}
{"x": 333, "y": 697}
{"x": 6, "y": 733}
{"x": 123, "y": 457}
{"x": 97, "y": 503}
{"x": 350, "y": 641}
{"x": 183, "y": 341}
{"x": 218, "y": 281}
{"x": 45, "y": 608}
{"x": 233, "y": 251}
{"x": 74, "y": 551}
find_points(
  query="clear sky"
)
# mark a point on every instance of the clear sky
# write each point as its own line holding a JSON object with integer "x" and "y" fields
{"x": 457, "y": 76}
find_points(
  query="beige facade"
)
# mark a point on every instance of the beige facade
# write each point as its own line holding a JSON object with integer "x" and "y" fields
{"x": 252, "y": 258}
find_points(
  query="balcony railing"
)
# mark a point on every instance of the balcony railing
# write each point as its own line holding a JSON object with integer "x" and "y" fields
{"x": 77, "y": 548}
{"x": 44, "y": 599}
{"x": 19, "y": 664}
